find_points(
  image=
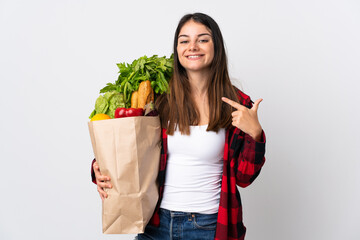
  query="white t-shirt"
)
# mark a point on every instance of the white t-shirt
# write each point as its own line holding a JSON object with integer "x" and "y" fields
{"x": 194, "y": 171}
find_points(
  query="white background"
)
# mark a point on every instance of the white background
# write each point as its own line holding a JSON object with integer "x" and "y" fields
{"x": 301, "y": 57}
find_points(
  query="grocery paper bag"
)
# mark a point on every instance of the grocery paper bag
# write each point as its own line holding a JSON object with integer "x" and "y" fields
{"x": 128, "y": 151}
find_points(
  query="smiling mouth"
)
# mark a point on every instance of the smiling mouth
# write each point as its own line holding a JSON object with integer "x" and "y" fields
{"x": 194, "y": 56}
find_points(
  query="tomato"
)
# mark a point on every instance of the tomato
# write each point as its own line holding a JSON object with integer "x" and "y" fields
{"x": 128, "y": 112}
{"x": 120, "y": 113}
{"x": 133, "y": 112}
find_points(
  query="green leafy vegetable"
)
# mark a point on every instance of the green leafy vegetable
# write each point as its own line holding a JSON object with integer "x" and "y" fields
{"x": 116, "y": 100}
{"x": 101, "y": 104}
{"x": 156, "y": 69}
{"x": 107, "y": 103}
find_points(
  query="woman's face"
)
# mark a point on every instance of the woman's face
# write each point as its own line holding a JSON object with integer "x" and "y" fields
{"x": 195, "y": 47}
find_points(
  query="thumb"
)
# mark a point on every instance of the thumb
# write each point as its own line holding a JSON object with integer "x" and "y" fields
{"x": 256, "y": 104}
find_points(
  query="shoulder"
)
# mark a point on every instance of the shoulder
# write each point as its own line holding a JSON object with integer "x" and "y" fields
{"x": 244, "y": 99}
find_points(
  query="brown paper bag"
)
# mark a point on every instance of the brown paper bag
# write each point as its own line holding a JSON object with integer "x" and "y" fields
{"x": 128, "y": 151}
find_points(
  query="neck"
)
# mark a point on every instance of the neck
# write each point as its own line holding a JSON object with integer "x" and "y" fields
{"x": 198, "y": 83}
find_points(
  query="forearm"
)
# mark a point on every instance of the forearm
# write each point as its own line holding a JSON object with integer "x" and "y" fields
{"x": 250, "y": 160}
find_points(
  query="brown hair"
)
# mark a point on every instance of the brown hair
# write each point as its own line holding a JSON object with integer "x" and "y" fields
{"x": 177, "y": 107}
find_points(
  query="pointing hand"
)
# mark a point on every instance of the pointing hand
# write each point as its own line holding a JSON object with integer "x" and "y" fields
{"x": 246, "y": 119}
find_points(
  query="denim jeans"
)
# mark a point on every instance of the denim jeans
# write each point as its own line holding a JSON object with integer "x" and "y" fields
{"x": 181, "y": 225}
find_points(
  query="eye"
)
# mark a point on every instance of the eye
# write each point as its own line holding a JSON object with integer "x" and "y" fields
{"x": 184, "y": 41}
{"x": 204, "y": 40}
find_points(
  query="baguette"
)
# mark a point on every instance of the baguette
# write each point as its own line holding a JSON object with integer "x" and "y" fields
{"x": 134, "y": 99}
{"x": 144, "y": 92}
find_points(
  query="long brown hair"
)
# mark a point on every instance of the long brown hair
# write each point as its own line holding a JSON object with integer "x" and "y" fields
{"x": 177, "y": 107}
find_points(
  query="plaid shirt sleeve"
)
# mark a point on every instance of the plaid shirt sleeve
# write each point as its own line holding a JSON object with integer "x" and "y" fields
{"x": 246, "y": 154}
{"x": 155, "y": 220}
{"x": 243, "y": 160}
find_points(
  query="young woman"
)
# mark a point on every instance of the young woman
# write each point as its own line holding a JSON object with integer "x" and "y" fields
{"x": 212, "y": 141}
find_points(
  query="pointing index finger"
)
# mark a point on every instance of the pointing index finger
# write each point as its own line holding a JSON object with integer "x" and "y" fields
{"x": 232, "y": 103}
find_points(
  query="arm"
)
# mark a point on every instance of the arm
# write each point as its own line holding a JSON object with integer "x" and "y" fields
{"x": 250, "y": 159}
{"x": 246, "y": 140}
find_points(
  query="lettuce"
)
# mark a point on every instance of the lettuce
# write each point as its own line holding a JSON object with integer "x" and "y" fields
{"x": 108, "y": 103}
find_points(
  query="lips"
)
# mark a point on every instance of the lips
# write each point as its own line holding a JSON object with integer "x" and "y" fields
{"x": 194, "y": 56}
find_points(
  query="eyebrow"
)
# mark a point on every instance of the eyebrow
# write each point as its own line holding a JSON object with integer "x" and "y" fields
{"x": 202, "y": 34}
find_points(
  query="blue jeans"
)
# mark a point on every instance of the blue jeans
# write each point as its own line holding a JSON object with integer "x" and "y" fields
{"x": 181, "y": 225}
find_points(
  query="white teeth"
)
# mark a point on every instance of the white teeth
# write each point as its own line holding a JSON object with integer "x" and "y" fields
{"x": 194, "y": 56}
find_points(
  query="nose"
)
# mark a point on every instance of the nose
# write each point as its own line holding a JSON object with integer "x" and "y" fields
{"x": 193, "y": 46}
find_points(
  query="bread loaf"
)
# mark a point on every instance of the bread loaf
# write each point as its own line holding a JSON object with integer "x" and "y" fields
{"x": 134, "y": 99}
{"x": 145, "y": 93}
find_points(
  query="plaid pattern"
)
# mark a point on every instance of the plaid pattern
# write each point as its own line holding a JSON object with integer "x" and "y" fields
{"x": 243, "y": 160}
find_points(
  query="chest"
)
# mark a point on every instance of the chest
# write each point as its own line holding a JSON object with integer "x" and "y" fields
{"x": 199, "y": 146}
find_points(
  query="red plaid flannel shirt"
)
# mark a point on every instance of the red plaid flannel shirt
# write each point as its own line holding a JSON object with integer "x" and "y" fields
{"x": 243, "y": 160}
